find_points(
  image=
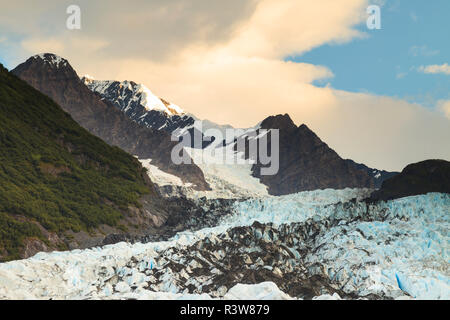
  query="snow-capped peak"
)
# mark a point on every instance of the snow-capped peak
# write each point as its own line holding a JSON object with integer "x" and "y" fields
{"x": 52, "y": 59}
{"x": 151, "y": 102}
{"x": 133, "y": 93}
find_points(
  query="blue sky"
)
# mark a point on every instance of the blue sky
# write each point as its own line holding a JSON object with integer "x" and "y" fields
{"x": 9, "y": 49}
{"x": 414, "y": 33}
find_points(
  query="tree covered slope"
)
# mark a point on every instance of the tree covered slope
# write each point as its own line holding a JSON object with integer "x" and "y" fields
{"x": 55, "y": 176}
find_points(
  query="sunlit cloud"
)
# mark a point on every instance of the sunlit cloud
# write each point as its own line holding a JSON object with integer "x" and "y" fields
{"x": 444, "y": 106}
{"x": 435, "y": 69}
{"x": 225, "y": 61}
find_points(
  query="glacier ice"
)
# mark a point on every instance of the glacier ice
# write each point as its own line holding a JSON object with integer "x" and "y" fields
{"x": 395, "y": 249}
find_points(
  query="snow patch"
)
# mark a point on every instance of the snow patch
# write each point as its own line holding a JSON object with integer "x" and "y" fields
{"x": 52, "y": 59}
{"x": 261, "y": 291}
{"x": 139, "y": 93}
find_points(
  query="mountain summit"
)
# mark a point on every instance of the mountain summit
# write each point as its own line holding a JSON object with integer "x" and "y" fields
{"x": 280, "y": 121}
{"x": 129, "y": 93}
{"x": 52, "y": 60}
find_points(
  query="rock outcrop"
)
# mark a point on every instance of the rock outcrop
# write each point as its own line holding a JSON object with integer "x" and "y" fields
{"x": 307, "y": 163}
{"x": 418, "y": 178}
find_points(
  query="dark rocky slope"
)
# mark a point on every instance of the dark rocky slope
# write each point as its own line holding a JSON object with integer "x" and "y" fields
{"x": 307, "y": 163}
{"x": 54, "y": 77}
{"x": 418, "y": 178}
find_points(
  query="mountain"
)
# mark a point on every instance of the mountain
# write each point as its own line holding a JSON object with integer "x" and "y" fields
{"x": 54, "y": 76}
{"x": 378, "y": 175}
{"x": 140, "y": 104}
{"x": 307, "y": 163}
{"x": 62, "y": 187}
{"x": 143, "y": 107}
{"x": 130, "y": 116}
{"x": 417, "y": 178}
{"x": 312, "y": 165}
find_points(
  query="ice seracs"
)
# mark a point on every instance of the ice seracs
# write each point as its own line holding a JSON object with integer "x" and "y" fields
{"x": 389, "y": 250}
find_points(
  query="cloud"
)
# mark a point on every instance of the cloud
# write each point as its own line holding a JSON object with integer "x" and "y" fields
{"x": 55, "y": 45}
{"x": 384, "y": 131}
{"x": 444, "y": 106}
{"x": 422, "y": 51}
{"x": 161, "y": 29}
{"x": 225, "y": 61}
{"x": 280, "y": 27}
{"x": 152, "y": 29}
{"x": 435, "y": 69}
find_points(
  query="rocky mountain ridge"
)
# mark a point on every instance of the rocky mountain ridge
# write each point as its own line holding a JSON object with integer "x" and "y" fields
{"x": 307, "y": 163}
{"x": 140, "y": 104}
{"x": 53, "y": 76}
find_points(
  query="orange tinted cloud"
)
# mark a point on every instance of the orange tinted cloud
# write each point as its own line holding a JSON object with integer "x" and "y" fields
{"x": 233, "y": 70}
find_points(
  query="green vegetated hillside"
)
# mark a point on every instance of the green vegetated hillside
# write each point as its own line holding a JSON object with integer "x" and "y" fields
{"x": 54, "y": 175}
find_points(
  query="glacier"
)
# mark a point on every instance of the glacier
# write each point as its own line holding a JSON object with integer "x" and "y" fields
{"x": 389, "y": 250}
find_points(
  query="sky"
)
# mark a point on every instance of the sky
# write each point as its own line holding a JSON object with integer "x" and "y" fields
{"x": 388, "y": 61}
{"x": 378, "y": 96}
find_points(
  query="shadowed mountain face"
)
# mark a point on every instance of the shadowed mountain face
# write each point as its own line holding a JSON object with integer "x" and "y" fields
{"x": 307, "y": 163}
{"x": 417, "y": 178}
{"x": 55, "y": 77}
